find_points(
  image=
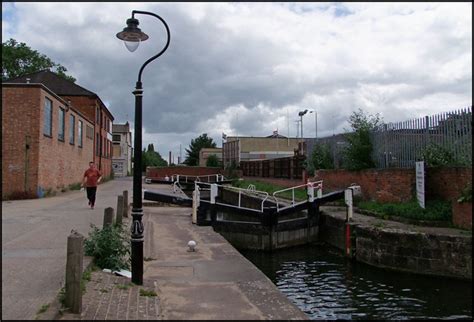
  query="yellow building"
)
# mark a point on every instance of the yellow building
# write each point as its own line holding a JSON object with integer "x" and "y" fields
{"x": 206, "y": 152}
{"x": 247, "y": 148}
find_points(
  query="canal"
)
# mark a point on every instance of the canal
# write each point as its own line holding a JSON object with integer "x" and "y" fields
{"x": 326, "y": 285}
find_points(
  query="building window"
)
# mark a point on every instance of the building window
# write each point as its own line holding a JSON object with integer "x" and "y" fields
{"x": 97, "y": 119}
{"x": 62, "y": 121}
{"x": 48, "y": 117}
{"x": 89, "y": 132}
{"x": 79, "y": 133}
{"x": 72, "y": 121}
{"x": 116, "y": 138}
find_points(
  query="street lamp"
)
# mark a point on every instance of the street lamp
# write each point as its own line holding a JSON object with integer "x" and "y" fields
{"x": 301, "y": 116}
{"x": 315, "y": 123}
{"x": 132, "y": 36}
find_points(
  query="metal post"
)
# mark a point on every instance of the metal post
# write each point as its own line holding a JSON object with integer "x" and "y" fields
{"x": 137, "y": 228}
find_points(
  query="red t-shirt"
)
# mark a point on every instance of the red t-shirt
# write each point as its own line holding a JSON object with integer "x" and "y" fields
{"x": 92, "y": 176}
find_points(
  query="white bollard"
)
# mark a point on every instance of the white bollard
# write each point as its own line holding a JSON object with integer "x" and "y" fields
{"x": 349, "y": 203}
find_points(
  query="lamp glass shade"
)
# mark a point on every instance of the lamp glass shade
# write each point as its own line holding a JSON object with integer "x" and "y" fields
{"x": 132, "y": 45}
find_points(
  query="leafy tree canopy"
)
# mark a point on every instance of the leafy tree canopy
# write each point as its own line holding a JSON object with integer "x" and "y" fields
{"x": 358, "y": 155}
{"x": 152, "y": 158}
{"x": 212, "y": 161}
{"x": 321, "y": 158}
{"x": 203, "y": 141}
{"x": 19, "y": 59}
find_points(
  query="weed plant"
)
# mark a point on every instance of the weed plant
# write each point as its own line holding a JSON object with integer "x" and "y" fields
{"x": 110, "y": 247}
{"x": 434, "y": 210}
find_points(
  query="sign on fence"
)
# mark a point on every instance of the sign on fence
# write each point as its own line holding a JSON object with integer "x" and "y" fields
{"x": 420, "y": 183}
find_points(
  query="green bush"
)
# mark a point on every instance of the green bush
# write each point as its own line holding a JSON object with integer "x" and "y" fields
{"x": 434, "y": 210}
{"x": 109, "y": 246}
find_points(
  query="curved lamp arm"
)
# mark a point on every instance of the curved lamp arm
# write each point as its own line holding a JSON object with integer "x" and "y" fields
{"x": 162, "y": 51}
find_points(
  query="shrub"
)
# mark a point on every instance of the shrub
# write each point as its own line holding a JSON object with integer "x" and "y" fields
{"x": 109, "y": 246}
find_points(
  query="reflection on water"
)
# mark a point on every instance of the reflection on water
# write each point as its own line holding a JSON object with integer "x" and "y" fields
{"x": 326, "y": 285}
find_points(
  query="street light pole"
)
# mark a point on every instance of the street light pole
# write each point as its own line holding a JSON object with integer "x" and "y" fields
{"x": 132, "y": 36}
{"x": 315, "y": 123}
{"x": 301, "y": 116}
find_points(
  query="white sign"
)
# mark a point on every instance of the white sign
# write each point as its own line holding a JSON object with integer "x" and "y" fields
{"x": 420, "y": 183}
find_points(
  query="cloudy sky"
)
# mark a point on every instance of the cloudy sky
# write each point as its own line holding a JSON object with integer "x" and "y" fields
{"x": 249, "y": 68}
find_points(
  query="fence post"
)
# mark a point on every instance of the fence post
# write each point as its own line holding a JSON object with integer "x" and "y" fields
{"x": 196, "y": 201}
{"x": 108, "y": 216}
{"x": 125, "y": 203}
{"x": 74, "y": 271}
{"x": 120, "y": 208}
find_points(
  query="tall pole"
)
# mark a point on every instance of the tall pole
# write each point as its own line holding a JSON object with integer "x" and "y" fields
{"x": 302, "y": 126}
{"x": 137, "y": 228}
{"x": 315, "y": 124}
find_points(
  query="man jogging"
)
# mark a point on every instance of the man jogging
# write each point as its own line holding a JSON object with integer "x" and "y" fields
{"x": 92, "y": 177}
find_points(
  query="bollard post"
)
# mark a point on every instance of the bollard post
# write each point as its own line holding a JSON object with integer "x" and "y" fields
{"x": 125, "y": 203}
{"x": 108, "y": 216}
{"x": 214, "y": 192}
{"x": 120, "y": 208}
{"x": 74, "y": 259}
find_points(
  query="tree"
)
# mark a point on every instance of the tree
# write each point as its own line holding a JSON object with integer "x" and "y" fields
{"x": 19, "y": 59}
{"x": 321, "y": 158}
{"x": 358, "y": 154}
{"x": 152, "y": 158}
{"x": 203, "y": 141}
{"x": 212, "y": 161}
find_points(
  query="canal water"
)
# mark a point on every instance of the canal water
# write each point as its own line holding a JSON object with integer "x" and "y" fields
{"x": 326, "y": 285}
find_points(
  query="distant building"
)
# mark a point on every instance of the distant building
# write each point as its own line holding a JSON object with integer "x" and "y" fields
{"x": 248, "y": 148}
{"x": 88, "y": 104}
{"x": 122, "y": 150}
{"x": 47, "y": 143}
{"x": 206, "y": 152}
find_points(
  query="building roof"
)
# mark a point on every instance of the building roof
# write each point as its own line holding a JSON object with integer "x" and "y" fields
{"x": 121, "y": 128}
{"x": 57, "y": 84}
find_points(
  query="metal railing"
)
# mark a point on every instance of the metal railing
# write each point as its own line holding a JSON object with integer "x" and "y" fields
{"x": 248, "y": 191}
{"x": 310, "y": 191}
{"x": 179, "y": 177}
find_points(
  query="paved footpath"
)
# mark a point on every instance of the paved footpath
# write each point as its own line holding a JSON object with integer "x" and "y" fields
{"x": 213, "y": 283}
{"x": 34, "y": 245}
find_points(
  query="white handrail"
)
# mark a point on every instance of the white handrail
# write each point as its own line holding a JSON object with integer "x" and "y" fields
{"x": 243, "y": 190}
{"x": 312, "y": 185}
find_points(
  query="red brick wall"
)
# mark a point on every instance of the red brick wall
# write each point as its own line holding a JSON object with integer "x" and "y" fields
{"x": 62, "y": 163}
{"x": 88, "y": 106}
{"x": 447, "y": 183}
{"x": 53, "y": 164}
{"x": 161, "y": 172}
{"x": 399, "y": 185}
{"x": 20, "y": 116}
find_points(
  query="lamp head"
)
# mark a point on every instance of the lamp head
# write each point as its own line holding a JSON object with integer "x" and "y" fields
{"x": 132, "y": 35}
{"x": 302, "y": 113}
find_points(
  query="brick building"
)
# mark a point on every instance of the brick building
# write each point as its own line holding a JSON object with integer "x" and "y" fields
{"x": 122, "y": 149}
{"x": 88, "y": 104}
{"x": 46, "y": 142}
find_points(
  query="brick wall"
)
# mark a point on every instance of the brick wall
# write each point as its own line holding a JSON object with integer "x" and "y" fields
{"x": 88, "y": 105}
{"x": 385, "y": 185}
{"x": 16, "y": 128}
{"x": 161, "y": 172}
{"x": 398, "y": 185}
{"x": 52, "y": 164}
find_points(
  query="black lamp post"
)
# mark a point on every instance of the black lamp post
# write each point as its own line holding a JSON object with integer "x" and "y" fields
{"x": 132, "y": 36}
{"x": 300, "y": 114}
